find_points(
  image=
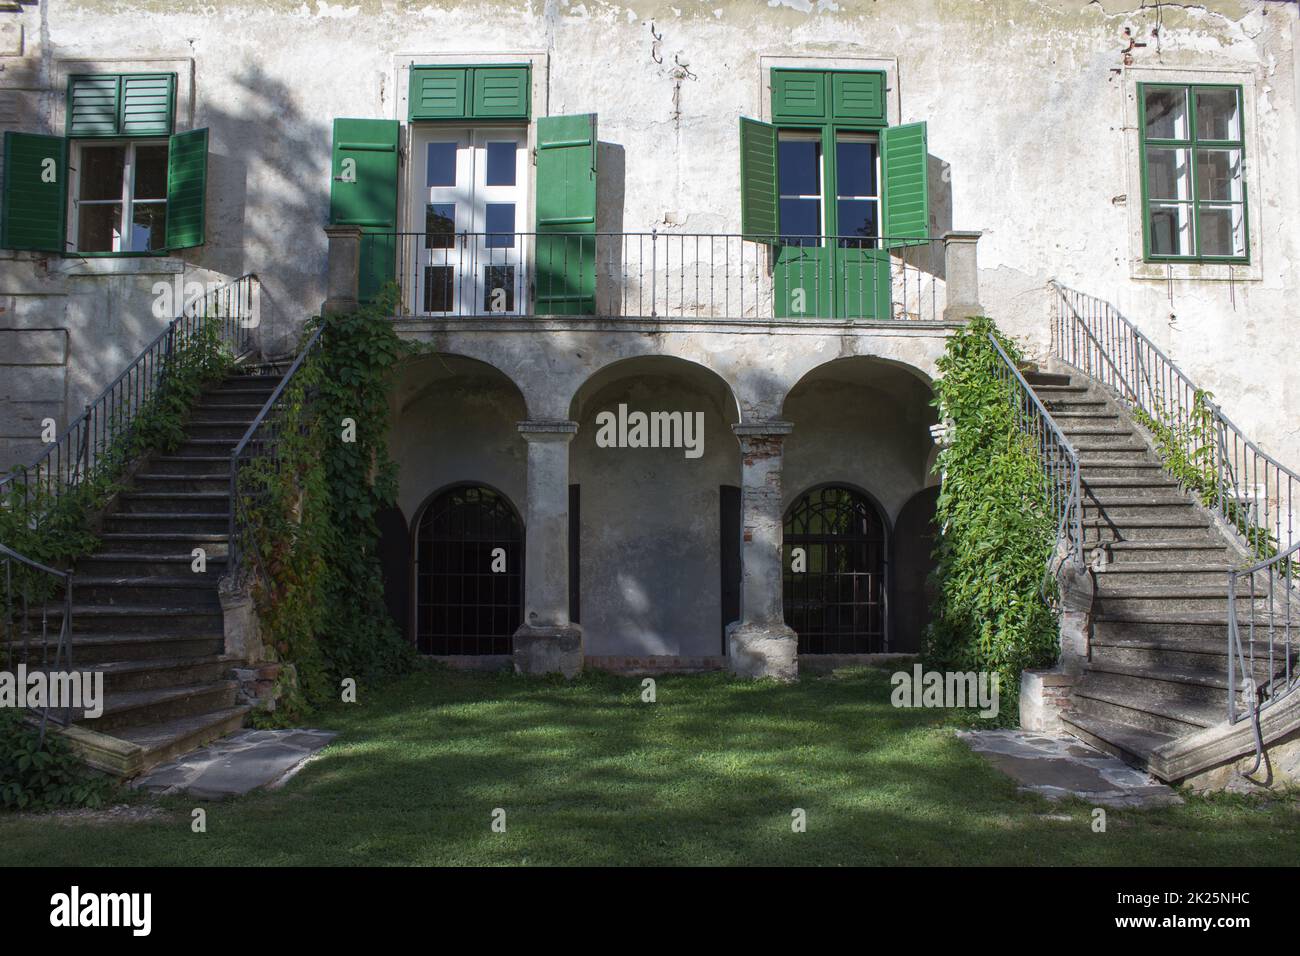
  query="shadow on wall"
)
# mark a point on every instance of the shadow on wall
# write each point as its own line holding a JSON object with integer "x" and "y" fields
{"x": 611, "y": 193}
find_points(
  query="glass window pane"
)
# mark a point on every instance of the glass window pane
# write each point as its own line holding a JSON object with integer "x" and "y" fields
{"x": 801, "y": 217}
{"x": 441, "y": 164}
{"x": 439, "y": 225}
{"x": 1217, "y": 115}
{"x": 97, "y": 227}
{"x": 438, "y": 295}
{"x": 1218, "y": 174}
{"x": 855, "y": 169}
{"x": 1166, "y": 113}
{"x": 1169, "y": 174}
{"x": 1171, "y": 229}
{"x": 499, "y": 289}
{"x": 501, "y": 164}
{"x": 101, "y": 172}
{"x": 799, "y": 167}
{"x": 858, "y": 218}
{"x": 1223, "y": 230}
{"x": 148, "y": 226}
{"x": 150, "y": 172}
{"x": 500, "y": 217}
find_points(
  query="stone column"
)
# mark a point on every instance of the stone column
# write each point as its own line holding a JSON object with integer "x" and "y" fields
{"x": 547, "y": 641}
{"x": 760, "y": 644}
{"x": 344, "y": 267}
{"x": 961, "y": 276}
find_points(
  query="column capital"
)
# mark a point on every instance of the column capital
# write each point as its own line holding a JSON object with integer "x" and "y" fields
{"x": 773, "y": 428}
{"x": 540, "y": 430}
{"x": 961, "y": 236}
{"x": 343, "y": 232}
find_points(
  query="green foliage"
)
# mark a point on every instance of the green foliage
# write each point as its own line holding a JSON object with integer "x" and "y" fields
{"x": 42, "y": 774}
{"x": 997, "y": 532}
{"x": 311, "y": 509}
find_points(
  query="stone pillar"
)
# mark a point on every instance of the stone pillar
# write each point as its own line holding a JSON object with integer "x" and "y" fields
{"x": 961, "y": 276}
{"x": 344, "y": 267}
{"x": 760, "y": 644}
{"x": 547, "y": 641}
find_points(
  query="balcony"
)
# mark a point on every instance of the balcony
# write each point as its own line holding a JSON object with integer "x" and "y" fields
{"x": 661, "y": 276}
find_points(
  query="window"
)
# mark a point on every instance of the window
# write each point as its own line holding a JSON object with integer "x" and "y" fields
{"x": 1193, "y": 164}
{"x": 120, "y": 199}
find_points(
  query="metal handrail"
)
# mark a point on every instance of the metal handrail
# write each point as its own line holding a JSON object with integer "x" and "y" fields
{"x": 15, "y": 626}
{"x": 74, "y": 456}
{"x": 1253, "y": 494}
{"x": 258, "y": 442}
{"x": 1057, "y": 459}
{"x": 663, "y": 275}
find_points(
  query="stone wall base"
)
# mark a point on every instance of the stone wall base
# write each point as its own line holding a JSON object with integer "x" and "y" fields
{"x": 763, "y": 650}
{"x": 1278, "y": 771}
{"x": 548, "y": 650}
{"x": 259, "y": 685}
{"x": 1044, "y": 696}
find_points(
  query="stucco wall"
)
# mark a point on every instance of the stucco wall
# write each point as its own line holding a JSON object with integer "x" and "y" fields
{"x": 1028, "y": 104}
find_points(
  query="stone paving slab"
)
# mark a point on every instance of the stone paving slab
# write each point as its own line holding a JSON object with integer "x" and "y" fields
{"x": 235, "y": 765}
{"x": 1060, "y": 767}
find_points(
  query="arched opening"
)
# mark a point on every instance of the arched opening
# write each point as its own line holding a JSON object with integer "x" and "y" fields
{"x": 469, "y": 562}
{"x": 834, "y": 547}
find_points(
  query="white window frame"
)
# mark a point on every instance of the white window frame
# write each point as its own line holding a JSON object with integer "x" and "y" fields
{"x": 122, "y": 242}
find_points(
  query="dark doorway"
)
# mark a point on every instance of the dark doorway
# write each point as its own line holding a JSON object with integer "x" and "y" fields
{"x": 915, "y": 535}
{"x": 836, "y": 603}
{"x": 394, "y": 553}
{"x": 463, "y": 605}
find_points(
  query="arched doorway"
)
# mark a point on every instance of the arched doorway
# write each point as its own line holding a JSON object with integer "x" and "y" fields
{"x": 835, "y": 594}
{"x": 468, "y": 595}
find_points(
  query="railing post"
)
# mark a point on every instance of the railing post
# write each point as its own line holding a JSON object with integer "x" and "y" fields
{"x": 961, "y": 276}
{"x": 344, "y": 268}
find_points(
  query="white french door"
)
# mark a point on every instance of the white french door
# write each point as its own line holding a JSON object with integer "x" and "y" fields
{"x": 469, "y": 201}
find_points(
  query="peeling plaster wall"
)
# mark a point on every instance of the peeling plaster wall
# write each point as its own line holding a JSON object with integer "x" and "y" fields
{"x": 1025, "y": 100}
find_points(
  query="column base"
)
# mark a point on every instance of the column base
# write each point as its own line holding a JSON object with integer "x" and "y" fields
{"x": 763, "y": 650}
{"x": 548, "y": 650}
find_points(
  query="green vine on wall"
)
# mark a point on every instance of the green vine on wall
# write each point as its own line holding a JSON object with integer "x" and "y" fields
{"x": 311, "y": 514}
{"x": 996, "y": 530}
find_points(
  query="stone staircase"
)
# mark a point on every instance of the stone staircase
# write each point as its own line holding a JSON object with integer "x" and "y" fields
{"x": 143, "y": 616}
{"x": 1158, "y": 662}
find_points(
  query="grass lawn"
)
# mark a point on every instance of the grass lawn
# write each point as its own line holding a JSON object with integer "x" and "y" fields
{"x": 588, "y": 774}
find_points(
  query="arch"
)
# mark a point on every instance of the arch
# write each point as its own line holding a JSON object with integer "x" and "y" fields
{"x": 617, "y": 368}
{"x": 845, "y": 362}
{"x": 837, "y": 598}
{"x": 462, "y": 603}
{"x": 415, "y": 382}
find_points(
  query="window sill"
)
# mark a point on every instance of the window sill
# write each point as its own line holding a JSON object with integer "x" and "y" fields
{"x": 1201, "y": 270}
{"x": 120, "y": 263}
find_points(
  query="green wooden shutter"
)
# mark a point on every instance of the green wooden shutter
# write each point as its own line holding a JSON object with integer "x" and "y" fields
{"x": 147, "y": 100}
{"x": 93, "y": 105}
{"x": 438, "y": 93}
{"x": 187, "y": 183}
{"x": 501, "y": 92}
{"x": 565, "y": 276}
{"x": 758, "y": 203}
{"x": 858, "y": 97}
{"x": 798, "y": 95}
{"x": 363, "y": 192}
{"x": 33, "y": 207}
{"x": 903, "y": 153}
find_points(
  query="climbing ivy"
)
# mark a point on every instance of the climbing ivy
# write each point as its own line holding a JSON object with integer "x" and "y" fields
{"x": 311, "y": 512}
{"x": 996, "y": 531}
{"x": 42, "y": 773}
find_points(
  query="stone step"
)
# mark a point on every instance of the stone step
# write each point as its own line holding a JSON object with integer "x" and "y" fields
{"x": 1172, "y": 599}
{"x": 116, "y": 646}
{"x": 115, "y": 543}
{"x": 136, "y": 707}
{"x": 126, "y": 564}
{"x": 1133, "y": 745}
{"x": 208, "y": 447}
{"x": 1038, "y": 379}
{"x": 1163, "y": 574}
{"x": 1197, "y": 688}
{"x": 1176, "y": 652}
{"x": 1191, "y": 529}
{"x": 150, "y": 673}
{"x": 175, "y": 503}
{"x": 190, "y": 465}
{"x": 1055, "y": 390}
{"x": 167, "y": 739}
{"x": 217, "y": 429}
{"x": 140, "y": 619}
{"x": 1143, "y": 552}
{"x": 182, "y": 484}
{"x": 1164, "y": 625}
{"x": 1110, "y": 466}
{"x": 1119, "y": 509}
{"x": 207, "y": 411}
{"x": 1147, "y": 712}
{"x": 164, "y": 523}
{"x": 1119, "y": 447}
{"x": 189, "y": 590}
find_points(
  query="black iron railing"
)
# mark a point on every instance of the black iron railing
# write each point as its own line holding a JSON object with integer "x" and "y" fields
{"x": 1253, "y": 493}
{"x": 88, "y": 444}
{"x": 255, "y": 459}
{"x": 1058, "y": 462}
{"x": 660, "y": 275}
{"x": 37, "y": 622}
